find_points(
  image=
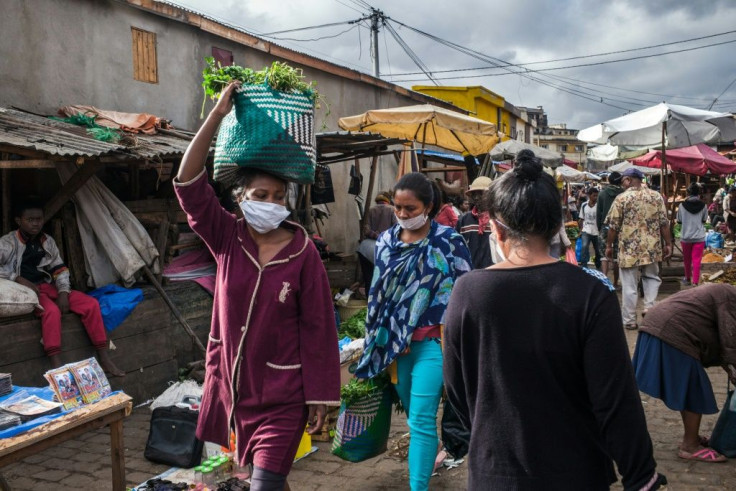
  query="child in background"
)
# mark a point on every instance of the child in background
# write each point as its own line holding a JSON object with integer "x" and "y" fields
{"x": 31, "y": 258}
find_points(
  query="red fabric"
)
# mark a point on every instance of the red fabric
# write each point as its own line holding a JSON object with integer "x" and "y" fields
{"x": 570, "y": 256}
{"x": 85, "y": 306}
{"x": 692, "y": 255}
{"x": 483, "y": 219}
{"x": 698, "y": 160}
{"x": 570, "y": 163}
{"x": 273, "y": 341}
{"x": 422, "y": 333}
{"x": 446, "y": 216}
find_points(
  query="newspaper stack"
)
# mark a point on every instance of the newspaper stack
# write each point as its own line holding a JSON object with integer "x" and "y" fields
{"x": 8, "y": 420}
{"x": 29, "y": 407}
{"x": 6, "y": 384}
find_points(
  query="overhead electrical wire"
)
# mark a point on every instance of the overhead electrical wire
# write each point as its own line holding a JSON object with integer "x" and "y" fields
{"x": 523, "y": 73}
{"x": 316, "y": 39}
{"x": 724, "y": 91}
{"x": 321, "y": 26}
{"x": 577, "y": 57}
{"x": 522, "y": 69}
{"x": 414, "y": 57}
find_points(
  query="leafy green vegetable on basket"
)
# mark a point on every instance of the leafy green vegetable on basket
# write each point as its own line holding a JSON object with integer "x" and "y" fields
{"x": 358, "y": 389}
{"x": 354, "y": 327}
{"x": 279, "y": 76}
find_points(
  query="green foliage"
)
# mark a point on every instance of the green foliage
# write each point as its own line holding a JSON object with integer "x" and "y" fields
{"x": 572, "y": 233}
{"x": 358, "y": 389}
{"x": 279, "y": 76}
{"x": 101, "y": 133}
{"x": 354, "y": 327}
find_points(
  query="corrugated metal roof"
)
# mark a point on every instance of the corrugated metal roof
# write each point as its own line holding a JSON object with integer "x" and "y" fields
{"x": 29, "y": 131}
{"x": 45, "y": 135}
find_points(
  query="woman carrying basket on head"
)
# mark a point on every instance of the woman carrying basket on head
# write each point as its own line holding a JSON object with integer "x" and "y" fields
{"x": 417, "y": 263}
{"x": 272, "y": 363}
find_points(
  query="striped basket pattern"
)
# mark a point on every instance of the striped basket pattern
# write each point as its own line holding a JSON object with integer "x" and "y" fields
{"x": 362, "y": 428}
{"x": 270, "y": 131}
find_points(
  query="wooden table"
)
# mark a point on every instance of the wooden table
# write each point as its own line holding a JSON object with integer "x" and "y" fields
{"x": 107, "y": 412}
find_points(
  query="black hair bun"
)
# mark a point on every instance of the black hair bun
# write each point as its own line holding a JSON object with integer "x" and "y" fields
{"x": 527, "y": 166}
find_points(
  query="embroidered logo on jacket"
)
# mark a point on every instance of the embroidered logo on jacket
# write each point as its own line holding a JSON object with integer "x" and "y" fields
{"x": 284, "y": 292}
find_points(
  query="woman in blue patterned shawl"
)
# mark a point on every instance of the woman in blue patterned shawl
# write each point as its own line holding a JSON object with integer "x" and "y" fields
{"x": 417, "y": 263}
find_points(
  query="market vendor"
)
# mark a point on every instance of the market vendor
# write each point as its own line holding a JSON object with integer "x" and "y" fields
{"x": 729, "y": 212}
{"x": 31, "y": 258}
{"x": 475, "y": 226}
{"x": 272, "y": 362}
{"x": 683, "y": 333}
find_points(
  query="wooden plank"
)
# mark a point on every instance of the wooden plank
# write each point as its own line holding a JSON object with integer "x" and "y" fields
{"x": 147, "y": 382}
{"x": 136, "y": 54}
{"x": 58, "y": 236}
{"x": 117, "y": 454}
{"x": 28, "y": 164}
{"x": 153, "y": 59}
{"x": 75, "y": 182}
{"x": 84, "y": 418}
{"x": 6, "y": 223}
{"x": 74, "y": 248}
{"x": 162, "y": 236}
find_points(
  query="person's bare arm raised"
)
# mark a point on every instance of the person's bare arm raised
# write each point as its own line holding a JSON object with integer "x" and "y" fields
{"x": 196, "y": 155}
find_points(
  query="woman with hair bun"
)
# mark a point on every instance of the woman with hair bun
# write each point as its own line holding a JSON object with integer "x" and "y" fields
{"x": 417, "y": 263}
{"x": 536, "y": 363}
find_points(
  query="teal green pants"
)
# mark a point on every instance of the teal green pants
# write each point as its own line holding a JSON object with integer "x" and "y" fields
{"x": 420, "y": 388}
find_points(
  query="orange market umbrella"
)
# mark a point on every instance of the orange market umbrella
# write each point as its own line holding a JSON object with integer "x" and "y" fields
{"x": 428, "y": 125}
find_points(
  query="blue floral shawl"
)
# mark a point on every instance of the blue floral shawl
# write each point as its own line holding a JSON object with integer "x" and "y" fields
{"x": 411, "y": 288}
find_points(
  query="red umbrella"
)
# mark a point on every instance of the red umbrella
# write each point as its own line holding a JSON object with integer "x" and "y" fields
{"x": 698, "y": 159}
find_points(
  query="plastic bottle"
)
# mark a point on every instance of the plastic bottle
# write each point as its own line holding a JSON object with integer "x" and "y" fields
{"x": 198, "y": 474}
{"x": 208, "y": 479}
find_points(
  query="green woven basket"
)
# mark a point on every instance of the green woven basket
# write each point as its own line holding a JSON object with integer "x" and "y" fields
{"x": 270, "y": 131}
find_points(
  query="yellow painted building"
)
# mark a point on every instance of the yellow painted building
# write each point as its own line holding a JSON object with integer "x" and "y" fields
{"x": 486, "y": 105}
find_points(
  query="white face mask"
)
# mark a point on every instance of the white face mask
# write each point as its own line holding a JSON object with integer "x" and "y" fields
{"x": 499, "y": 251}
{"x": 263, "y": 216}
{"x": 412, "y": 223}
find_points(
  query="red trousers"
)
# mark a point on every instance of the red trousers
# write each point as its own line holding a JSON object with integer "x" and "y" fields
{"x": 85, "y": 306}
{"x": 692, "y": 255}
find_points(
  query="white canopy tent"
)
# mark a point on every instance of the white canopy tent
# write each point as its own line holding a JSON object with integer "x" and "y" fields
{"x": 669, "y": 124}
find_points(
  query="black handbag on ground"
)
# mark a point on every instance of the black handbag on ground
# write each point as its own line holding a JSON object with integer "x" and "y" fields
{"x": 171, "y": 438}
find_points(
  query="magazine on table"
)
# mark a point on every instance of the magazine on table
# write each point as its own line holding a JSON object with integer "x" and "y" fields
{"x": 65, "y": 387}
{"x": 91, "y": 380}
{"x": 28, "y": 407}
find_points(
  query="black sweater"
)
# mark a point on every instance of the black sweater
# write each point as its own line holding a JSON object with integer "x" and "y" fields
{"x": 537, "y": 366}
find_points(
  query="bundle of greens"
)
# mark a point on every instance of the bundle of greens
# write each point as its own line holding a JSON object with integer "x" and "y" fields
{"x": 354, "y": 327}
{"x": 279, "y": 76}
{"x": 358, "y": 389}
{"x": 101, "y": 133}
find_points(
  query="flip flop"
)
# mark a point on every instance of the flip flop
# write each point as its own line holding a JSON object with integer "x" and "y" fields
{"x": 703, "y": 455}
{"x": 631, "y": 327}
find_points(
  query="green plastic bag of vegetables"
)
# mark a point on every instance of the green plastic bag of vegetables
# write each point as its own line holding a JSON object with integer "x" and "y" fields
{"x": 363, "y": 426}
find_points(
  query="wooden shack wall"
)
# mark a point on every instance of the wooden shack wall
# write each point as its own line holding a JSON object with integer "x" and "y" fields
{"x": 150, "y": 345}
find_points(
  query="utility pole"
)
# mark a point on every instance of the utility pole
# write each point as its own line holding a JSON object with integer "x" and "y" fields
{"x": 376, "y": 18}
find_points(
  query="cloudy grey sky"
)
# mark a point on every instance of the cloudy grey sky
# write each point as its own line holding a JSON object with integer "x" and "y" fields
{"x": 524, "y": 31}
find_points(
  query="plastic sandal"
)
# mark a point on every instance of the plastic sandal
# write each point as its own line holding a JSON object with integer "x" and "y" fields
{"x": 703, "y": 455}
{"x": 631, "y": 327}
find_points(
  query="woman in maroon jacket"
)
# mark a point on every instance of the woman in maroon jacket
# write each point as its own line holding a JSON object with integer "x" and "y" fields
{"x": 272, "y": 360}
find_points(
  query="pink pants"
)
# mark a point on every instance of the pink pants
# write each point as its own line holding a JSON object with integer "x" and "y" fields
{"x": 88, "y": 309}
{"x": 692, "y": 254}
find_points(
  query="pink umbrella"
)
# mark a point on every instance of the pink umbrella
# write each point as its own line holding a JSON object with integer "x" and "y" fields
{"x": 698, "y": 159}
